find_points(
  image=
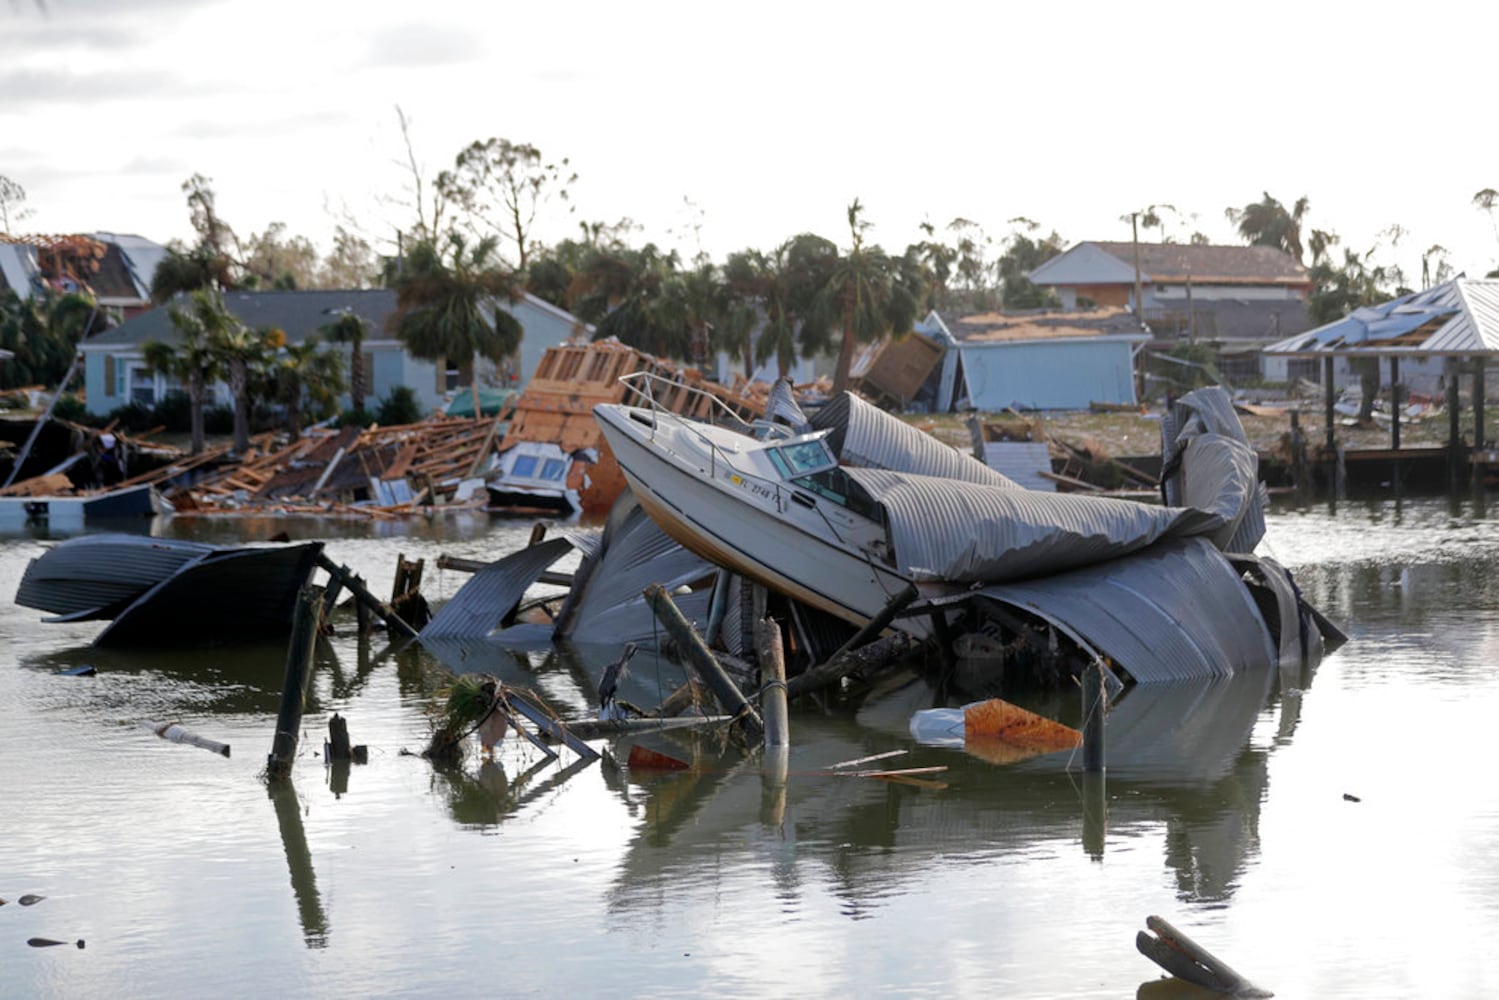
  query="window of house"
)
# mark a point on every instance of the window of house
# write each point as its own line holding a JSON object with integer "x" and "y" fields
{"x": 142, "y": 386}
{"x": 553, "y": 468}
{"x": 524, "y": 467}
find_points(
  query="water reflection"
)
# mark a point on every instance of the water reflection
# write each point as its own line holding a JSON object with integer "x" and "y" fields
{"x": 283, "y": 795}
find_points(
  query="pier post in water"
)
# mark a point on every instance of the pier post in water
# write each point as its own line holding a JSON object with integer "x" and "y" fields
{"x": 304, "y": 632}
{"x": 700, "y": 658}
{"x": 1093, "y": 709}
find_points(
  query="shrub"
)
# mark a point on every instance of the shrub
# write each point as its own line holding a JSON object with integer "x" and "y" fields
{"x": 134, "y": 417}
{"x": 399, "y": 407}
{"x": 175, "y": 411}
{"x": 72, "y": 409}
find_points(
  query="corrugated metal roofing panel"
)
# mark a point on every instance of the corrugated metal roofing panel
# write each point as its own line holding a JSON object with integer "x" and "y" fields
{"x": 1022, "y": 462}
{"x": 1174, "y": 611}
{"x": 1211, "y": 466}
{"x": 484, "y": 600}
{"x": 865, "y": 436}
{"x": 958, "y": 532}
{"x": 610, "y": 606}
{"x": 1464, "y": 312}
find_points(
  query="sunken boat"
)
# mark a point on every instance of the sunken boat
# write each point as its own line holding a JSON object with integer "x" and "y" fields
{"x": 162, "y": 592}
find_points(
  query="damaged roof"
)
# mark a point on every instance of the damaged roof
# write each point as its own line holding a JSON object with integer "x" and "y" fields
{"x": 1458, "y": 317}
{"x": 1177, "y": 263}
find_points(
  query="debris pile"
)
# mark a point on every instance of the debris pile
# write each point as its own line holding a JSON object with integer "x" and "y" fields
{"x": 378, "y": 472}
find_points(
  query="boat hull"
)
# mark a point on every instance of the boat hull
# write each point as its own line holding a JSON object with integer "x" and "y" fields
{"x": 711, "y": 515}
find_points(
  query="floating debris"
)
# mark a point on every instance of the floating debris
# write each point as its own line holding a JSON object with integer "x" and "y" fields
{"x": 30, "y": 899}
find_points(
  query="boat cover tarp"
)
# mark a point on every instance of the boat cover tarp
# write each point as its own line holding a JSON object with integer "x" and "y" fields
{"x": 967, "y": 533}
{"x": 1208, "y": 463}
{"x": 865, "y": 436}
{"x": 481, "y": 604}
{"x": 1174, "y": 611}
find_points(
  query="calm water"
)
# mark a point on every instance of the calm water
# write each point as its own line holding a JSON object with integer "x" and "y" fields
{"x": 1224, "y": 810}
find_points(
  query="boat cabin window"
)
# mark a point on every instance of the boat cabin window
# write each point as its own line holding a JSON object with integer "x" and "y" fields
{"x": 802, "y": 458}
{"x": 553, "y": 468}
{"x": 524, "y": 467}
{"x": 838, "y": 486}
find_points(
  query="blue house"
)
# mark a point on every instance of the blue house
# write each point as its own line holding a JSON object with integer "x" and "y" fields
{"x": 116, "y": 372}
{"x": 1031, "y": 361}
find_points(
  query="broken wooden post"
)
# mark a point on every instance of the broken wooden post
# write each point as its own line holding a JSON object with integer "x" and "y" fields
{"x": 1093, "y": 709}
{"x": 701, "y": 659}
{"x": 1186, "y": 959}
{"x": 304, "y": 622}
{"x": 772, "y": 682}
{"x": 338, "y": 738}
{"x": 366, "y": 600}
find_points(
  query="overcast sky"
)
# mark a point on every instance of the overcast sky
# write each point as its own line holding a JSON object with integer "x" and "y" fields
{"x": 769, "y": 118}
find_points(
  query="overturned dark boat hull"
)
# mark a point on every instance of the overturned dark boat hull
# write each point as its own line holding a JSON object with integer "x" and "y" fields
{"x": 229, "y": 595}
{"x": 97, "y": 576}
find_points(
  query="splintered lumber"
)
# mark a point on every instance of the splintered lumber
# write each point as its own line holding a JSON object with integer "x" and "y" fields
{"x": 701, "y": 659}
{"x": 176, "y": 734}
{"x": 1186, "y": 959}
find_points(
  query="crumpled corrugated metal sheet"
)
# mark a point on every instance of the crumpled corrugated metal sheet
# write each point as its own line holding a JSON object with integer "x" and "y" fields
{"x": 1208, "y": 463}
{"x": 480, "y": 604}
{"x": 865, "y": 436}
{"x": 1174, "y": 611}
{"x": 964, "y": 532}
{"x": 606, "y": 603}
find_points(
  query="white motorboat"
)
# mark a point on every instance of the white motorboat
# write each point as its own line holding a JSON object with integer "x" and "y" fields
{"x": 776, "y": 507}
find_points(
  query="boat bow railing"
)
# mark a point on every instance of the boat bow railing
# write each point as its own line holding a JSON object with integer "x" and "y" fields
{"x": 661, "y": 396}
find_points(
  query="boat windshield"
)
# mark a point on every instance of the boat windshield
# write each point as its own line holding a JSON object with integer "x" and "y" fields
{"x": 802, "y": 457}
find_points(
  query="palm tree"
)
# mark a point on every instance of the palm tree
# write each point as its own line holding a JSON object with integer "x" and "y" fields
{"x": 788, "y": 287}
{"x": 195, "y": 363}
{"x": 351, "y": 329}
{"x": 305, "y": 374}
{"x": 450, "y": 308}
{"x": 869, "y": 294}
{"x": 241, "y": 351}
{"x": 1267, "y": 223}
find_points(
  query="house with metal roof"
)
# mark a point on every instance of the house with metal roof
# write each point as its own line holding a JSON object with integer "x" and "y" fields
{"x": 1425, "y": 340}
{"x": 116, "y": 372}
{"x": 1037, "y": 360}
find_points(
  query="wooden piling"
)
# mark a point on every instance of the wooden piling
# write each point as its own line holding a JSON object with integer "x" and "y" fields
{"x": 772, "y": 682}
{"x": 1093, "y": 710}
{"x": 338, "y": 738}
{"x": 701, "y": 659}
{"x": 304, "y": 632}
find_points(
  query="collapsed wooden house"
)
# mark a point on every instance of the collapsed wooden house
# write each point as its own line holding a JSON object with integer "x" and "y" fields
{"x": 553, "y": 457}
{"x": 374, "y": 470}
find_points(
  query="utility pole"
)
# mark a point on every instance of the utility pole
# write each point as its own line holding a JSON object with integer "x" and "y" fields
{"x": 1134, "y": 225}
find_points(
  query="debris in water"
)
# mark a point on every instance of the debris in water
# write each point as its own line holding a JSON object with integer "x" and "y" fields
{"x": 39, "y": 942}
{"x": 82, "y": 670}
{"x": 30, "y": 900}
{"x": 644, "y": 759}
{"x": 1351, "y": 798}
